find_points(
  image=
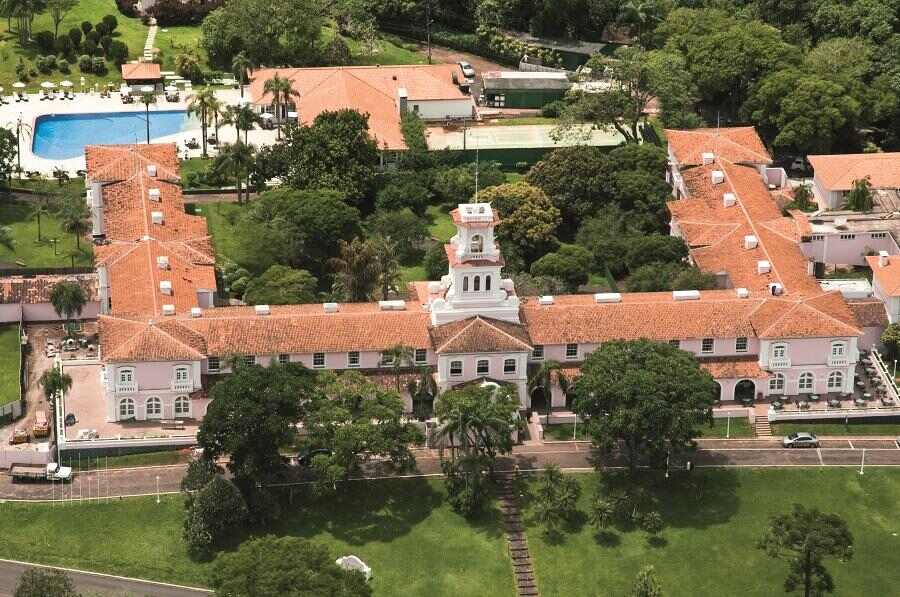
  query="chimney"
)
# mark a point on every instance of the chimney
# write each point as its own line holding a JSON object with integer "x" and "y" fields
{"x": 547, "y": 299}
{"x": 95, "y": 197}
{"x": 742, "y": 293}
{"x": 262, "y": 309}
{"x": 165, "y": 287}
{"x": 162, "y": 261}
{"x": 168, "y": 309}
{"x": 157, "y": 217}
{"x": 750, "y": 241}
{"x": 775, "y": 289}
{"x": 196, "y": 311}
{"x": 608, "y": 297}
{"x": 402, "y": 99}
{"x": 330, "y": 307}
{"x": 763, "y": 267}
{"x": 708, "y": 157}
{"x": 883, "y": 259}
{"x": 103, "y": 283}
{"x": 728, "y": 199}
{"x": 151, "y": 170}
{"x": 718, "y": 177}
{"x": 153, "y": 194}
{"x": 685, "y": 295}
{"x": 396, "y": 305}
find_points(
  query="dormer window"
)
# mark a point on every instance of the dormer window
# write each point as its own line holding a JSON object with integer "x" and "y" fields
{"x": 476, "y": 245}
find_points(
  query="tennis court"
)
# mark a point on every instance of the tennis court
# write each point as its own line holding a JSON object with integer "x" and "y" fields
{"x": 530, "y": 136}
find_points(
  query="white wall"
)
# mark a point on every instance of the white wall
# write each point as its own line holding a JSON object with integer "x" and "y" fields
{"x": 440, "y": 109}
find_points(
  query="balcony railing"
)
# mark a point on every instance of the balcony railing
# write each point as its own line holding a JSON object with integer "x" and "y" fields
{"x": 182, "y": 386}
{"x": 779, "y": 363}
{"x": 838, "y": 361}
{"x": 126, "y": 387}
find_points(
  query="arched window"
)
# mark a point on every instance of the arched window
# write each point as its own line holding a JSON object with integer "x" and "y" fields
{"x": 477, "y": 244}
{"x": 776, "y": 383}
{"x": 806, "y": 382}
{"x": 487, "y": 282}
{"x": 835, "y": 381}
{"x": 465, "y": 283}
{"x": 154, "y": 407}
{"x": 182, "y": 406}
{"x": 126, "y": 408}
{"x": 477, "y": 285}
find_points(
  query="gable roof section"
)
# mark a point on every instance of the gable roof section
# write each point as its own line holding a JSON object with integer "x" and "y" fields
{"x": 740, "y": 145}
{"x": 129, "y": 340}
{"x": 480, "y": 334}
{"x": 838, "y": 172}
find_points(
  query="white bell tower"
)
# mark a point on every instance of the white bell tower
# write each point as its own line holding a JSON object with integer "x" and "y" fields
{"x": 473, "y": 285}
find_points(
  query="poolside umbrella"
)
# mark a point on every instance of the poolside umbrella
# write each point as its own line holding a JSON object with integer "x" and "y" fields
{"x": 19, "y": 85}
{"x": 148, "y": 89}
{"x": 65, "y": 84}
{"x": 171, "y": 88}
{"x": 48, "y": 85}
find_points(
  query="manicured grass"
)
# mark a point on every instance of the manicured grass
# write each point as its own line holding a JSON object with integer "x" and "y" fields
{"x": 412, "y": 273}
{"x": 49, "y": 187}
{"x": 714, "y": 519}
{"x": 32, "y": 253}
{"x": 222, "y": 220}
{"x": 126, "y": 460}
{"x": 172, "y": 41}
{"x": 441, "y": 224}
{"x": 879, "y": 426}
{"x": 562, "y": 432}
{"x": 130, "y": 31}
{"x": 403, "y": 529}
{"x": 10, "y": 363}
{"x": 739, "y": 427}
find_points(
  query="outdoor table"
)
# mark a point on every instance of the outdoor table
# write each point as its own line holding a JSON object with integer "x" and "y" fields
{"x": 777, "y": 405}
{"x": 867, "y": 396}
{"x": 860, "y": 384}
{"x": 859, "y": 402}
{"x": 813, "y": 397}
{"x": 834, "y": 403}
{"x": 803, "y": 405}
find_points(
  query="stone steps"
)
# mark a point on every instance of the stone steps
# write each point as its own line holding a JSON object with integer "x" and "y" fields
{"x": 516, "y": 539}
{"x": 762, "y": 427}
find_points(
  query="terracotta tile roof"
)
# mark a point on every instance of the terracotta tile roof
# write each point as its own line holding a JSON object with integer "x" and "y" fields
{"x": 371, "y": 90}
{"x": 126, "y": 340}
{"x": 734, "y": 368}
{"x": 37, "y": 289}
{"x": 837, "y": 172}
{"x": 886, "y": 277}
{"x": 141, "y": 71}
{"x": 740, "y": 145}
{"x": 869, "y": 312}
{"x": 108, "y": 163}
{"x": 479, "y": 334}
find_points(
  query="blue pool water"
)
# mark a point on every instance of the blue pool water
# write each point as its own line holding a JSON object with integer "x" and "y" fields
{"x": 63, "y": 136}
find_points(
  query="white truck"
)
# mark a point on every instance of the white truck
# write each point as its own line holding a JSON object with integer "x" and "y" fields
{"x": 40, "y": 472}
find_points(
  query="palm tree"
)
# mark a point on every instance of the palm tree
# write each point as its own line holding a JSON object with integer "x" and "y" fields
{"x": 68, "y": 299}
{"x": 639, "y": 15}
{"x": 282, "y": 90}
{"x": 543, "y": 378}
{"x": 235, "y": 159}
{"x": 74, "y": 215}
{"x": 148, "y": 99}
{"x": 38, "y": 209}
{"x": 242, "y": 117}
{"x": 860, "y": 197}
{"x": 6, "y": 238}
{"x": 357, "y": 270}
{"x": 216, "y": 108}
{"x": 200, "y": 104}
{"x": 422, "y": 391}
{"x": 241, "y": 67}
{"x": 389, "y": 273}
{"x": 54, "y": 381}
{"x": 397, "y": 357}
{"x": 22, "y": 129}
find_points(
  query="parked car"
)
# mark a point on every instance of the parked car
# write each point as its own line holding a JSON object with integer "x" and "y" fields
{"x": 467, "y": 69}
{"x": 799, "y": 164}
{"x": 801, "y": 440}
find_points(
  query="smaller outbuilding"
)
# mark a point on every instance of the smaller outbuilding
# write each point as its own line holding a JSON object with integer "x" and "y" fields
{"x": 517, "y": 89}
{"x": 141, "y": 73}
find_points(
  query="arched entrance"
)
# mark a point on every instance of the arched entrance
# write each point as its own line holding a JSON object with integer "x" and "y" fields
{"x": 745, "y": 391}
{"x": 539, "y": 400}
{"x": 717, "y": 392}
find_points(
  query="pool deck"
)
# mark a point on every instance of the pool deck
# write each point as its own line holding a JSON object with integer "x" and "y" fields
{"x": 92, "y": 103}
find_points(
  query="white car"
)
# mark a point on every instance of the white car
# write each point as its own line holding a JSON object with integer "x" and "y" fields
{"x": 801, "y": 440}
{"x": 467, "y": 69}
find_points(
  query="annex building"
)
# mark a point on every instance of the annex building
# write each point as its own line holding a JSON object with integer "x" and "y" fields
{"x": 771, "y": 329}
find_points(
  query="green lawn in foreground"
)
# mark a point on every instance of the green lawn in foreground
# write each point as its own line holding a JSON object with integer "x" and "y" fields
{"x": 10, "y": 362}
{"x": 879, "y": 426}
{"x": 402, "y": 528}
{"x": 163, "y": 457}
{"x": 28, "y": 250}
{"x": 130, "y": 31}
{"x": 714, "y": 519}
{"x": 739, "y": 427}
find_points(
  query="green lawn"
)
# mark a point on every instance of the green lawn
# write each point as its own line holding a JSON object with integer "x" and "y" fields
{"x": 879, "y": 426}
{"x": 32, "y": 253}
{"x": 390, "y": 49}
{"x": 172, "y": 41}
{"x": 130, "y": 31}
{"x": 162, "y": 457}
{"x": 10, "y": 363}
{"x": 441, "y": 224}
{"x": 412, "y": 273}
{"x": 714, "y": 519}
{"x": 562, "y": 432}
{"x": 413, "y": 541}
{"x": 222, "y": 221}
{"x": 739, "y": 427}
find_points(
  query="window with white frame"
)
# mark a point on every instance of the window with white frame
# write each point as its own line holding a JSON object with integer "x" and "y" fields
{"x": 509, "y": 366}
{"x": 487, "y": 283}
{"x": 126, "y": 408}
{"x": 284, "y": 359}
{"x": 483, "y": 367}
{"x": 421, "y": 356}
{"x": 181, "y": 374}
{"x": 353, "y": 359}
{"x": 126, "y": 375}
{"x": 806, "y": 382}
{"x": 387, "y": 359}
{"x": 779, "y": 351}
{"x": 318, "y": 360}
{"x": 249, "y": 359}
{"x": 213, "y": 364}
{"x": 182, "y": 406}
{"x": 465, "y": 283}
{"x": 153, "y": 407}
{"x": 537, "y": 352}
{"x": 838, "y": 349}
{"x": 878, "y": 235}
{"x": 476, "y": 285}
{"x": 835, "y": 381}
{"x": 456, "y": 368}
{"x": 776, "y": 383}
{"x": 571, "y": 351}
{"x": 740, "y": 344}
{"x": 706, "y": 345}
{"x": 847, "y": 236}
{"x": 816, "y": 237}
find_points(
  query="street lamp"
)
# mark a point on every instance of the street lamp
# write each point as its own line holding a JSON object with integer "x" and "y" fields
{"x": 157, "y": 489}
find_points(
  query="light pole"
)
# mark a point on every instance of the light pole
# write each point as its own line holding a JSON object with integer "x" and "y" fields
{"x": 157, "y": 489}
{"x": 862, "y": 462}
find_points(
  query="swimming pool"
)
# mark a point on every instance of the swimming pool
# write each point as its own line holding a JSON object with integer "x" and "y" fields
{"x": 63, "y": 136}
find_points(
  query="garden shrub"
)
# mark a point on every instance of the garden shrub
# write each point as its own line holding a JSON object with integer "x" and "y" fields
{"x": 86, "y": 27}
{"x": 174, "y": 12}
{"x": 75, "y": 35}
{"x": 63, "y": 45}
{"x": 44, "y": 41}
{"x": 88, "y": 47}
{"x": 63, "y": 66}
{"x": 98, "y": 66}
{"x": 111, "y": 22}
{"x": 85, "y": 63}
{"x": 553, "y": 109}
{"x": 105, "y": 42}
{"x": 117, "y": 52}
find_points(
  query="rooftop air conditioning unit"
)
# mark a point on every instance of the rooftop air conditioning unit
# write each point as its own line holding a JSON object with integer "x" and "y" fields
{"x": 156, "y": 217}
{"x": 763, "y": 267}
{"x": 546, "y": 299}
{"x": 883, "y": 259}
{"x": 168, "y": 309}
{"x": 708, "y": 157}
{"x": 728, "y": 199}
{"x": 775, "y": 289}
{"x": 392, "y": 305}
{"x": 718, "y": 177}
{"x": 330, "y": 307}
{"x": 262, "y": 309}
{"x": 165, "y": 287}
{"x": 685, "y": 295}
{"x": 153, "y": 194}
{"x": 608, "y": 297}
{"x": 750, "y": 241}
{"x": 196, "y": 311}
{"x": 151, "y": 170}
{"x": 742, "y": 293}
{"x": 162, "y": 261}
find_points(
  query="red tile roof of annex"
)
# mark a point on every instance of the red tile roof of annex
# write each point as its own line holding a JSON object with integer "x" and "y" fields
{"x": 740, "y": 145}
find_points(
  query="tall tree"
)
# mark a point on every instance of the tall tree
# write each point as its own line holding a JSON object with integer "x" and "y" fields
{"x": 649, "y": 396}
{"x": 54, "y": 381}
{"x": 860, "y": 197}
{"x": 556, "y": 499}
{"x": 283, "y": 93}
{"x": 397, "y": 358}
{"x": 805, "y": 537}
{"x": 202, "y": 104}
{"x": 8, "y": 151}
{"x": 357, "y": 272}
{"x": 68, "y": 299}
{"x": 528, "y": 220}
{"x": 480, "y": 419}
{"x": 58, "y": 10}
{"x": 242, "y": 117}
{"x": 74, "y": 215}
{"x": 235, "y": 160}
{"x": 241, "y": 67}
{"x": 38, "y": 210}
{"x": 282, "y": 285}
{"x": 389, "y": 274}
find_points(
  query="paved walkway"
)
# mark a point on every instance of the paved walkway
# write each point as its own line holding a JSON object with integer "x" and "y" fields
{"x": 516, "y": 539}
{"x": 148, "y": 45}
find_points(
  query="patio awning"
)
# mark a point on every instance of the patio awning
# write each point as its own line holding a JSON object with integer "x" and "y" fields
{"x": 734, "y": 368}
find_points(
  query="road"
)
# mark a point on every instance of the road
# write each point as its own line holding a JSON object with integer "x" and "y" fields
{"x": 90, "y": 582}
